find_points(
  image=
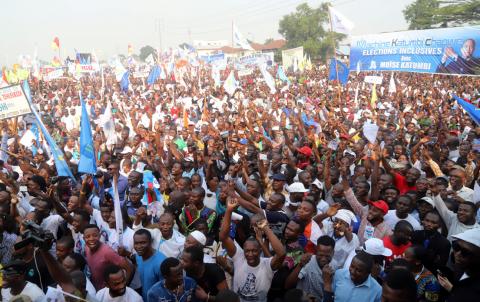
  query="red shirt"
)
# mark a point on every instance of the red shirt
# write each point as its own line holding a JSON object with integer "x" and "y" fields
{"x": 401, "y": 184}
{"x": 398, "y": 251}
{"x": 99, "y": 260}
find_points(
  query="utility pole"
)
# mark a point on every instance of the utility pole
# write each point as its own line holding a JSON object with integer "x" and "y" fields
{"x": 159, "y": 27}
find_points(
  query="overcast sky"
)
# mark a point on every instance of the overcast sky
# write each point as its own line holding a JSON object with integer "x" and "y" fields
{"x": 108, "y": 26}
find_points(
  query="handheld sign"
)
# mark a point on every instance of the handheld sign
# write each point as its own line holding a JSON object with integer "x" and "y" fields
{"x": 13, "y": 102}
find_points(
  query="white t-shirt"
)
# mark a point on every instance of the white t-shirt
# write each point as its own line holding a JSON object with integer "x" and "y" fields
{"x": 51, "y": 223}
{"x": 251, "y": 283}
{"x": 129, "y": 296}
{"x": 391, "y": 220}
{"x": 31, "y": 290}
{"x": 127, "y": 239}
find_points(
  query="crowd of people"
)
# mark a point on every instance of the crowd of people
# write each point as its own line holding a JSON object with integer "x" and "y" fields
{"x": 246, "y": 197}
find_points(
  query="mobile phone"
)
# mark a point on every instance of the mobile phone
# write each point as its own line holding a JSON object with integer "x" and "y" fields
{"x": 263, "y": 156}
{"x": 23, "y": 189}
{"x": 439, "y": 272}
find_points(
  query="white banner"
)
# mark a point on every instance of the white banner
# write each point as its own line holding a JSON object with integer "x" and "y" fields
{"x": 374, "y": 80}
{"x": 13, "y": 102}
{"x": 140, "y": 74}
{"x": 52, "y": 75}
{"x": 290, "y": 56}
{"x": 245, "y": 72}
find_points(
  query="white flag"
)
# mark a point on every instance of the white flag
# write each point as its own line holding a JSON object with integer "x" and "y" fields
{"x": 119, "y": 71}
{"x": 216, "y": 76}
{"x": 239, "y": 40}
{"x": 370, "y": 131}
{"x": 340, "y": 23}
{"x": 392, "y": 88}
{"x": 230, "y": 84}
{"x": 118, "y": 213}
{"x": 108, "y": 124}
{"x": 150, "y": 60}
{"x": 268, "y": 79}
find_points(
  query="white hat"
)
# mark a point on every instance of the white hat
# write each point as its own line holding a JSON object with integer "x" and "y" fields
{"x": 199, "y": 236}
{"x": 126, "y": 150}
{"x": 375, "y": 247}
{"x": 349, "y": 152}
{"x": 346, "y": 216}
{"x": 296, "y": 187}
{"x": 471, "y": 236}
{"x": 318, "y": 184}
{"x": 428, "y": 200}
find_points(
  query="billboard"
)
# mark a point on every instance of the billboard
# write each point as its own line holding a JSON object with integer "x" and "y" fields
{"x": 447, "y": 51}
{"x": 13, "y": 102}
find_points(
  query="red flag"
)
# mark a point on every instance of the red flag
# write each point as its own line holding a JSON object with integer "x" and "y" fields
{"x": 55, "y": 43}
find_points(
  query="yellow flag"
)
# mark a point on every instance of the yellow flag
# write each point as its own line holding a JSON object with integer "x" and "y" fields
{"x": 374, "y": 99}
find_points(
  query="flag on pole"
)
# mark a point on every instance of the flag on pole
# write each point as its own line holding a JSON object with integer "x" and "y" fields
{"x": 374, "y": 99}
{"x": 216, "y": 76}
{"x": 130, "y": 50}
{"x": 150, "y": 60}
{"x": 125, "y": 82}
{"x": 268, "y": 79}
{"x": 469, "y": 108}
{"x": 340, "y": 69}
{"x": 239, "y": 40}
{"x": 87, "y": 163}
{"x": 281, "y": 75}
{"x": 55, "y": 44}
{"x": 340, "y": 23}
{"x": 118, "y": 212}
{"x": 230, "y": 84}
{"x": 392, "y": 88}
{"x": 61, "y": 165}
{"x": 154, "y": 74}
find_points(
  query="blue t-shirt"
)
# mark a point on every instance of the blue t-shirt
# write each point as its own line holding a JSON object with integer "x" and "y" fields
{"x": 158, "y": 292}
{"x": 149, "y": 271}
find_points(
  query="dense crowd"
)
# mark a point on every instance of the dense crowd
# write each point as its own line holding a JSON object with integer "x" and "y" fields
{"x": 250, "y": 197}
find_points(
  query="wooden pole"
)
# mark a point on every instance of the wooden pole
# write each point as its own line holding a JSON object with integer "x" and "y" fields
{"x": 334, "y": 55}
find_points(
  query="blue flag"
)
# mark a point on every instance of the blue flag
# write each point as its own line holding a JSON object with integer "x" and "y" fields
{"x": 149, "y": 181}
{"x": 87, "y": 163}
{"x": 154, "y": 75}
{"x": 342, "y": 71}
{"x": 473, "y": 111}
{"x": 281, "y": 75}
{"x": 125, "y": 82}
{"x": 60, "y": 164}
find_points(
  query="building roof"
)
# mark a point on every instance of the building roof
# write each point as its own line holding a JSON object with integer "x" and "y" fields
{"x": 229, "y": 49}
{"x": 275, "y": 44}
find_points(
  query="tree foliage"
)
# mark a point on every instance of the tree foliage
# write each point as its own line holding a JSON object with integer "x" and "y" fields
{"x": 145, "y": 51}
{"x": 424, "y": 14}
{"x": 305, "y": 27}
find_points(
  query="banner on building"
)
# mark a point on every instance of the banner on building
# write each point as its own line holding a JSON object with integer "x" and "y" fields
{"x": 447, "y": 51}
{"x": 13, "y": 102}
{"x": 54, "y": 74}
{"x": 291, "y": 57}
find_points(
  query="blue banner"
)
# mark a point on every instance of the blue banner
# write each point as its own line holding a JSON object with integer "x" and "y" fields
{"x": 87, "y": 163}
{"x": 473, "y": 111}
{"x": 338, "y": 71}
{"x": 213, "y": 58}
{"x": 447, "y": 50}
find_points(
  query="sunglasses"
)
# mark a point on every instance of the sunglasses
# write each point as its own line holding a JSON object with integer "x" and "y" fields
{"x": 456, "y": 247}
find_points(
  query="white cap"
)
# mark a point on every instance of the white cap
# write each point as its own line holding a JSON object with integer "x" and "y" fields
{"x": 126, "y": 150}
{"x": 318, "y": 184}
{"x": 428, "y": 200}
{"x": 296, "y": 187}
{"x": 346, "y": 216}
{"x": 471, "y": 236}
{"x": 199, "y": 236}
{"x": 375, "y": 247}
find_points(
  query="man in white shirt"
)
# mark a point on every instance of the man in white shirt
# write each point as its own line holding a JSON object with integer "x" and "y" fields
{"x": 117, "y": 290}
{"x": 14, "y": 283}
{"x": 403, "y": 207}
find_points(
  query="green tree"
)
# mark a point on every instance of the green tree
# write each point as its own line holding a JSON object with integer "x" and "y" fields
{"x": 424, "y": 14}
{"x": 145, "y": 51}
{"x": 304, "y": 27}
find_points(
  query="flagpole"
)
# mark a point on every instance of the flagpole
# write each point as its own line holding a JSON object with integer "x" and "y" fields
{"x": 334, "y": 53}
{"x": 233, "y": 46}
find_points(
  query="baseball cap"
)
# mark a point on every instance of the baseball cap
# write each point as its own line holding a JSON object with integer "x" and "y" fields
{"x": 296, "y": 187}
{"x": 375, "y": 247}
{"x": 307, "y": 151}
{"x": 278, "y": 176}
{"x": 380, "y": 204}
{"x": 14, "y": 267}
{"x": 428, "y": 200}
{"x": 318, "y": 184}
{"x": 471, "y": 236}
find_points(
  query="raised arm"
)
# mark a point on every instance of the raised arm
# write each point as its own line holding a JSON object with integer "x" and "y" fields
{"x": 224, "y": 234}
{"x": 277, "y": 246}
